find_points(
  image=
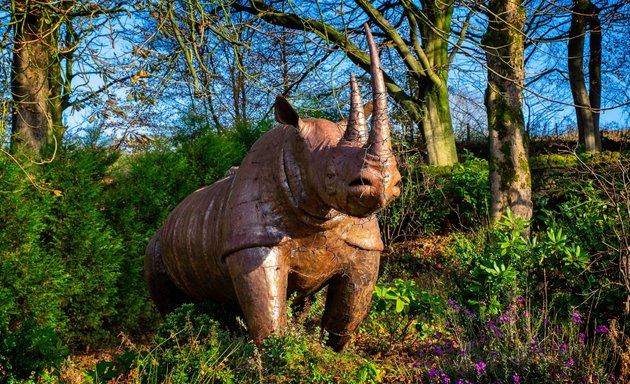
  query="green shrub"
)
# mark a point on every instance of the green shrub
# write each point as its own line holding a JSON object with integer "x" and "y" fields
{"x": 60, "y": 261}
{"x": 437, "y": 199}
{"x": 191, "y": 347}
{"x": 30, "y": 280}
{"x": 401, "y": 312}
{"x": 88, "y": 248}
{"x": 502, "y": 264}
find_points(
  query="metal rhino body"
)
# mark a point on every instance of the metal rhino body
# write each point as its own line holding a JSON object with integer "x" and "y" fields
{"x": 297, "y": 215}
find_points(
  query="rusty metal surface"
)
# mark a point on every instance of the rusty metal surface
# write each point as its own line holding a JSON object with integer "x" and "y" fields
{"x": 297, "y": 215}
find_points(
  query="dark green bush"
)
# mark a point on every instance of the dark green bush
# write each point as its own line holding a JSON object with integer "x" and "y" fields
{"x": 438, "y": 199}
{"x": 60, "y": 261}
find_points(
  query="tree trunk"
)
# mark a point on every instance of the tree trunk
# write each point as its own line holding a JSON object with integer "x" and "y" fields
{"x": 437, "y": 128}
{"x": 595, "y": 71}
{"x": 510, "y": 177}
{"x": 587, "y": 118}
{"x": 31, "y": 124}
{"x": 40, "y": 92}
{"x": 436, "y": 120}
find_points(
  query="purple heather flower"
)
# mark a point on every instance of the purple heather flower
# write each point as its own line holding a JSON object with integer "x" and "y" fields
{"x": 480, "y": 366}
{"x": 516, "y": 378}
{"x": 545, "y": 321}
{"x": 601, "y": 329}
{"x": 576, "y": 318}
{"x": 469, "y": 314}
{"x": 483, "y": 303}
{"x": 582, "y": 337}
{"x": 434, "y": 373}
{"x": 569, "y": 363}
{"x": 520, "y": 299}
{"x": 416, "y": 364}
{"x": 454, "y": 305}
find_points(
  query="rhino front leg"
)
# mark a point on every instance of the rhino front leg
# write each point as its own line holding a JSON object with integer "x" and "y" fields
{"x": 260, "y": 276}
{"x": 348, "y": 299}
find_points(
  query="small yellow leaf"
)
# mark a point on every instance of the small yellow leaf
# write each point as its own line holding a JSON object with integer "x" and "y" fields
{"x": 57, "y": 192}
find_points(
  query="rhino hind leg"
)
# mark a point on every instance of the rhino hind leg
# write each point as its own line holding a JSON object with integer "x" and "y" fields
{"x": 166, "y": 296}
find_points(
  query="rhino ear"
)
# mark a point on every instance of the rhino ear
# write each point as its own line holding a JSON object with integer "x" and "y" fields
{"x": 285, "y": 114}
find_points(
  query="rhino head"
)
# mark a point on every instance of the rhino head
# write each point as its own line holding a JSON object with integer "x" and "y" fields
{"x": 347, "y": 167}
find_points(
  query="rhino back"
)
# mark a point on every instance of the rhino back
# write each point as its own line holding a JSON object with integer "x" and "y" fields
{"x": 237, "y": 212}
{"x": 191, "y": 243}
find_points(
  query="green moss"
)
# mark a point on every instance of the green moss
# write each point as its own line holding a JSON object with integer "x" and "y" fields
{"x": 505, "y": 168}
{"x": 437, "y": 170}
{"x": 553, "y": 161}
{"x": 524, "y": 167}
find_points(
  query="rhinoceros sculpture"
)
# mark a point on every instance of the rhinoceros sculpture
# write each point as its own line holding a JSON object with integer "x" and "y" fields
{"x": 297, "y": 215}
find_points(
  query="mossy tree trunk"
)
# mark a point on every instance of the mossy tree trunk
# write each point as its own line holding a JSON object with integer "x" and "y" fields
{"x": 436, "y": 122}
{"x": 587, "y": 103}
{"x": 39, "y": 89}
{"x": 509, "y": 173}
{"x": 437, "y": 126}
{"x": 31, "y": 118}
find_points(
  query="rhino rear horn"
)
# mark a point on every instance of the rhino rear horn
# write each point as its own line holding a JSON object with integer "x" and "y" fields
{"x": 357, "y": 127}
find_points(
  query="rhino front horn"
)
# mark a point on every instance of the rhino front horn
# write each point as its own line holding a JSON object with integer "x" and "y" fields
{"x": 379, "y": 141}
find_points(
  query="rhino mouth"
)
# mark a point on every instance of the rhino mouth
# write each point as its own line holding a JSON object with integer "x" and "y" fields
{"x": 361, "y": 188}
{"x": 361, "y": 181}
{"x": 363, "y": 195}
